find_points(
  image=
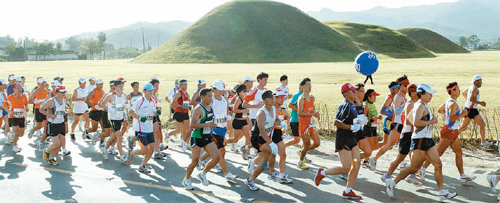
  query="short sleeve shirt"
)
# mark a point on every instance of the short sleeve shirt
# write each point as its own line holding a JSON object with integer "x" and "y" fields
{"x": 346, "y": 113}
{"x": 294, "y": 114}
{"x": 144, "y": 108}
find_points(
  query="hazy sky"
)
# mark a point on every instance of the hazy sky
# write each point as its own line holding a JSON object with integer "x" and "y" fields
{"x": 53, "y": 19}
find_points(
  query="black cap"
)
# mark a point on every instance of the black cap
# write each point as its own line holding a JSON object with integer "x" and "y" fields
{"x": 117, "y": 82}
{"x": 112, "y": 82}
{"x": 267, "y": 94}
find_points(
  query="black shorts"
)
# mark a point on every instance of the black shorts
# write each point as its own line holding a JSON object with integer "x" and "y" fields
{"x": 369, "y": 131}
{"x": 145, "y": 138}
{"x": 180, "y": 117}
{"x": 201, "y": 142}
{"x": 347, "y": 142}
{"x": 105, "y": 120}
{"x": 219, "y": 141}
{"x": 405, "y": 143}
{"x": 257, "y": 141}
{"x": 360, "y": 135}
{"x": 116, "y": 125}
{"x": 423, "y": 144}
{"x": 472, "y": 113}
{"x": 21, "y": 122}
{"x": 295, "y": 128}
{"x": 79, "y": 114}
{"x": 39, "y": 117}
{"x": 254, "y": 121}
{"x": 238, "y": 124}
{"x": 157, "y": 119}
{"x": 277, "y": 136}
{"x": 397, "y": 126}
{"x": 95, "y": 115}
{"x": 56, "y": 129}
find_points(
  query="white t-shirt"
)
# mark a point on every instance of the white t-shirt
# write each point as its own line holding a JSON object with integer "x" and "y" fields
{"x": 285, "y": 90}
{"x": 220, "y": 111}
{"x": 171, "y": 93}
{"x": 144, "y": 108}
{"x": 254, "y": 97}
{"x": 89, "y": 88}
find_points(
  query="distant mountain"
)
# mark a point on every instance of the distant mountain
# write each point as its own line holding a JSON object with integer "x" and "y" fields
{"x": 155, "y": 34}
{"x": 461, "y": 18}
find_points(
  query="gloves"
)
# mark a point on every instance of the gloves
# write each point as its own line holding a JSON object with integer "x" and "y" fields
{"x": 355, "y": 128}
{"x": 274, "y": 148}
{"x": 361, "y": 119}
{"x": 143, "y": 119}
{"x": 158, "y": 112}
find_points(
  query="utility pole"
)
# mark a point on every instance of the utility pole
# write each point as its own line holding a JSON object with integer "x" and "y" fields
{"x": 158, "y": 44}
{"x": 143, "y": 43}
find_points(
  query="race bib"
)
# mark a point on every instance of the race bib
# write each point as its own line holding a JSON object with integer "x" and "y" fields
{"x": 269, "y": 128}
{"x": 207, "y": 130}
{"x": 19, "y": 113}
{"x": 149, "y": 119}
{"x": 220, "y": 121}
{"x": 59, "y": 114}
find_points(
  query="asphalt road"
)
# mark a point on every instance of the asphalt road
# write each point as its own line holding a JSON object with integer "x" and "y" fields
{"x": 85, "y": 177}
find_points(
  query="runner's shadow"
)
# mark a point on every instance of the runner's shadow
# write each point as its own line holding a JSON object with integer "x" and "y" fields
{"x": 60, "y": 187}
{"x": 13, "y": 166}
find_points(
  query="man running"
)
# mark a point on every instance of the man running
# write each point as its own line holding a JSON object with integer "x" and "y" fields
{"x": 143, "y": 111}
{"x": 158, "y": 145}
{"x": 55, "y": 110}
{"x": 345, "y": 143}
{"x": 37, "y": 97}
{"x": 17, "y": 107}
{"x": 263, "y": 129}
{"x": 472, "y": 95}
{"x": 195, "y": 99}
{"x": 80, "y": 108}
{"x": 387, "y": 111}
{"x": 202, "y": 124}
{"x": 398, "y": 105}
{"x": 307, "y": 130}
{"x": 294, "y": 120}
{"x": 180, "y": 104}
{"x": 363, "y": 143}
{"x": 98, "y": 116}
{"x": 253, "y": 101}
{"x": 3, "y": 97}
{"x": 422, "y": 145}
{"x": 170, "y": 96}
{"x": 132, "y": 97}
{"x": 451, "y": 131}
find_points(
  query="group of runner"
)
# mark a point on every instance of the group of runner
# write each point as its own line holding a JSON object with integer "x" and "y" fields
{"x": 255, "y": 113}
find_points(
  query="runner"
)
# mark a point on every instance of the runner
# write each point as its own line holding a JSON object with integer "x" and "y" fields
{"x": 55, "y": 111}
{"x": 171, "y": 94}
{"x": 363, "y": 143}
{"x": 370, "y": 129}
{"x": 37, "y": 97}
{"x": 80, "y": 108}
{"x": 248, "y": 82}
{"x": 472, "y": 95}
{"x": 3, "y": 97}
{"x": 98, "y": 116}
{"x": 253, "y": 102}
{"x": 17, "y": 107}
{"x": 158, "y": 145}
{"x": 277, "y": 138}
{"x": 261, "y": 133}
{"x": 422, "y": 144}
{"x": 405, "y": 140}
{"x": 92, "y": 84}
{"x": 345, "y": 143}
{"x": 202, "y": 124}
{"x": 181, "y": 114}
{"x": 307, "y": 129}
{"x": 398, "y": 105}
{"x": 220, "y": 114}
{"x": 240, "y": 124}
{"x": 143, "y": 111}
{"x": 132, "y": 97}
{"x": 294, "y": 120}
{"x": 387, "y": 111}
{"x": 115, "y": 104}
{"x": 451, "y": 131}
{"x": 196, "y": 95}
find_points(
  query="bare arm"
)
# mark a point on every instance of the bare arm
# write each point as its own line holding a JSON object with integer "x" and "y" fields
{"x": 174, "y": 104}
{"x": 249, "y": 106}
{"x": 293, "y": 107}
{"x": 341, "y": 125}
{"x": 197, "y": 115}
{"x": 104, "y": 101}
{"x": 194, "y": 98}
{"x": 32, "y": 97}
{"x": 417, "y": 117}
{"x": 89, "y": 97}
{"x": 453, "y": 113}
{"x": 261, "y": 124}
{"x": 441, "y": 109}
{"x": 46, "y": 105}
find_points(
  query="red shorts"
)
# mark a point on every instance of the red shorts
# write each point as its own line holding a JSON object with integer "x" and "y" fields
{"x": 305, "y": 129}
{"x": 447, "y": 133}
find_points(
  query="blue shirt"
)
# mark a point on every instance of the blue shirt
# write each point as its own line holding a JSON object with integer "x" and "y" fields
{"x": 294, "y": 114}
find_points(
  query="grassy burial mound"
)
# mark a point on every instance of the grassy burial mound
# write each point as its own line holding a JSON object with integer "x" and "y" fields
{"x": 433, "y": 41}
{"x": 254, "y": 31}
{"x": 381, "y": 40}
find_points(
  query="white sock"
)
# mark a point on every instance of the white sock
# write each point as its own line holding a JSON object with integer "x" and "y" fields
{"x": 282, "y": 174}
{"x": 323, "y": 173}
{"x": 348, "y": 190}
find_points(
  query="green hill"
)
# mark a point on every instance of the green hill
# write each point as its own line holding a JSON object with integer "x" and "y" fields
{"x": 433, "y": 41}
{"x": 381, "y": 40}
{"x": 254, "y": 31}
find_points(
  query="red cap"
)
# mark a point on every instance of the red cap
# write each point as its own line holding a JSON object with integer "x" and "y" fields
{"x": 374, "y": 93}
{"x": 121, "y": 79}
{"x": 347, "y": 87}
{"x": 279, "y": 93}
{"x": 60, "y": 89}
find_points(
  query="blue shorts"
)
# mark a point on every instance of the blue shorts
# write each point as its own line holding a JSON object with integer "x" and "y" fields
{"x": 219, "y": 131}
{"x": 145, "y": 138}
{"x": 4, "y": 113}
{"x": 387, "y": 126}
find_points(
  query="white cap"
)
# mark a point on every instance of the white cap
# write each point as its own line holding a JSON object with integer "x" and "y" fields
{"x": 201, "y": 82}
{"x": 82, "y": 80}
{"x": 218, "y": 85}
{"x": 92, "y": 78}
{"x": 12, "y": 77}
{"x": 99, "y": 81}
{"x": 476, "y": 77}
{"x": 154, "y": 77}
{"x": 248, "y": 78}
{"x": 18, "y": 79}
{"x": 427, "y": 88}
{"x": 40, "y": 80}
{"x": 279, "y": 93}
{"x": 55, "y": 83}
{"x": 3, "y": 81}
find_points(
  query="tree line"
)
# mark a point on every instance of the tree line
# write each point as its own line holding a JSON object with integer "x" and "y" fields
{"x": 473, "y": 42}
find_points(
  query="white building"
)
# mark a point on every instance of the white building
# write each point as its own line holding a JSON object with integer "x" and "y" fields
{"x": 63, "y": 55}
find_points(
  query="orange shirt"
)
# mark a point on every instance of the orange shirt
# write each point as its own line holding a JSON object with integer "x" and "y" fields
{"x": 183, "y": 98}
{"x": 95, "y": 100}
{"x": 40, "y": 97}
{"x": 16, "y": 105}
{"x": 308, "y": 108}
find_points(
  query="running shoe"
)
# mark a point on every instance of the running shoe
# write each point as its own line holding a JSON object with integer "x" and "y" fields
{"x": 16, "y": 149}
{"x": 65, "y": 152}
{"x": 444, "y": 195}
{"x": 30, "y": 133}
{"x": 244, "y": 152}
{"x": 163, "y": 146}
{"x": 467, "y": 178}
{"x": 95, "y": 138}
{"x": 302, "y": 165}
{"x": 318, "y": 177}
{"x": 231, "y": 177}
{"x": 53, "y": 162}
{"x": 351, "y": 195}
{"x": 187, "y": 184}
{"x": 385, "y": 177}
{"x": 497, "y": 172}
{"x": 45, "y": 155}
{"x": 218, "y": 168}
{"x": 157, "y": 155}
{"x": 251, "y": 166}
{"x": 492, "y": 180}
{"x": 123, "y": 158}
{"x": 251, "y": 184}
{"x": 344, "y": 176}
{"x": 103, "y": 151}
{"x": 203, "y": 178}
{"x": 201, "y": 165}
{"x": 183, "y": 146}
{"x": 143, "y": 169}
{"x": 284, "y": 179}
{"x": 390, "y": 186}
{"x": 412, "y": 179}
{"x": 373, "y": 163}
{"x": 273, "y": 176}
{"x": 421, "y": 174}
{"x": 131, "y": 143}
{"x": 84, "y": 134}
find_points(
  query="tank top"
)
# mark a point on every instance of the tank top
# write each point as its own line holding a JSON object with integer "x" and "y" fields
{"x": 425, "y": 131}
{"x": 80, "y": 106}
{"x": 360, "y": 108}
{"x": 199, "y": 98}
{"x": 240, "y": 107}
{"x": 40, "y": 97}
{"x": 219, "y": 108}
{"x": 135, "y": 97}
{"x": 372, "y": 113}
{"x": 184, "y": 98}
{"x": 118, "y": 106}
{"x": 207, "y": 118}
{"x": 398, "y": 118}
{"x": 406, "y": 126}
{"x": 268, "y": 124}
{"x": 95, "y": 100}
{"x": 281, "y": 116}
{"x": 59, "y": 111}
{"x": 308, "y": 108}
{"x": 455, "y": 125}
{"x": 469, "y": 104}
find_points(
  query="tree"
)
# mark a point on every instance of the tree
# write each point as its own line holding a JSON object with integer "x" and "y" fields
{"x": 14, "y": 52}
{"x": 44, "y": 49}
{"x": 73, "y": 43}
{"x": 58, "y": 47}
{"x": 473, "y": 40}
{"x": 101, "y": 37}
{"x": 90, "y": 47}
{"x": 462, "y": 41}
{"x": 5, "y": 41}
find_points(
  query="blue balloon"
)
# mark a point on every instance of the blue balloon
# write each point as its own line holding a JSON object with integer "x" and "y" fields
{"x": 366, "y": 63}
